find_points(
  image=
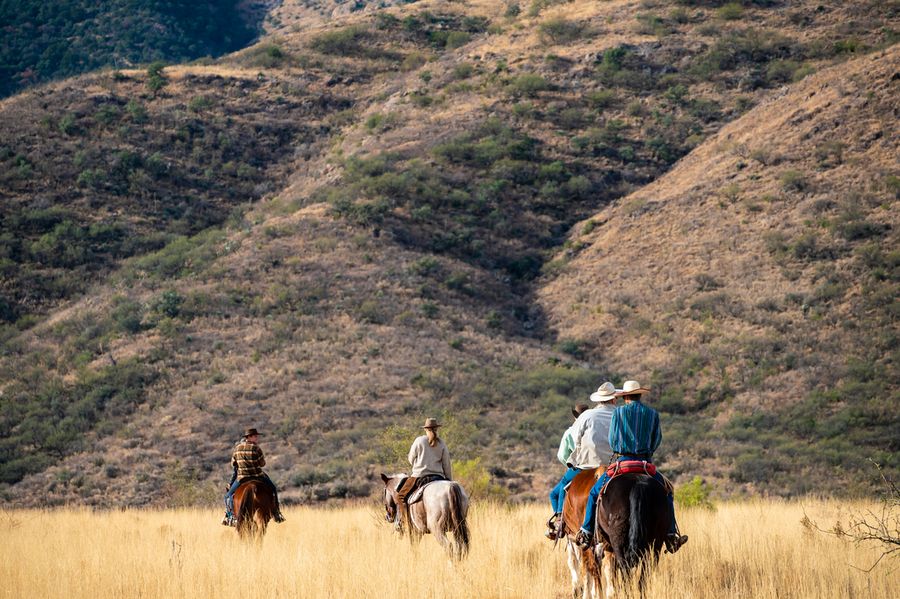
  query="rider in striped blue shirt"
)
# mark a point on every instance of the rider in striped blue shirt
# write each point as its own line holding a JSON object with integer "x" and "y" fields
{"x": 634, "y": 434}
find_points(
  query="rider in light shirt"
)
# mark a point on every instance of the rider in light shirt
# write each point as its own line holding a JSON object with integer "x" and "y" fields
{"x": 634, "y": 434}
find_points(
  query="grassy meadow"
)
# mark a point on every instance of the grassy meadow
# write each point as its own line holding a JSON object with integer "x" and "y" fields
{"x": 752, "y": 549}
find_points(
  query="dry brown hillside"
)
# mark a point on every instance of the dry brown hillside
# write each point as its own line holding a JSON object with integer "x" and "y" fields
{"x": 755, "y": 285}
{"x": 367, "y": 219}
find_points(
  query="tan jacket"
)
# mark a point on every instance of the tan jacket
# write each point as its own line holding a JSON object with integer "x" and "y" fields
{"x": 591, "y": 434}
{"x": 425, "y": 459}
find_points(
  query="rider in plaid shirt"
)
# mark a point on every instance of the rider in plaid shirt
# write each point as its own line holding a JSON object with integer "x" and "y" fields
{"x": 247, "y": 461}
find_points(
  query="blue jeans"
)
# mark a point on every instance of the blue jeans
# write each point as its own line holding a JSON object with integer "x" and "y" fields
{"x": 588, "y": 524}
{"x": 558, "y": 494}
{"x": 229, "y": 496}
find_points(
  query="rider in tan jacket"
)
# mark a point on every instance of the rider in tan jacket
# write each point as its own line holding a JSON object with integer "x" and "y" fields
{"x": 430, "y": 460}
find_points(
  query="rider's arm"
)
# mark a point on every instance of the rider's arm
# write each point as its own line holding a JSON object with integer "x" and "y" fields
{"x": 413, "y": 453}
{"x": 656, "y": 432}
{"x": 577, "y": 438}
{"x": 445, "y": 463}
{"x": 614, "y": 432}
{"x": 566, "y": 446}
{"x": 260, "y": 458}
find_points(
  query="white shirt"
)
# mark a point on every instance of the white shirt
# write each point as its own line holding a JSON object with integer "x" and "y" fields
{"x": 591, "y": 434}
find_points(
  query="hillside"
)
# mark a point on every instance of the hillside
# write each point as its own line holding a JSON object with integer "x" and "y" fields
{"x": 44, "y": 41}
{"x": 756, "y": 285}
{"x": 368, "y": 219}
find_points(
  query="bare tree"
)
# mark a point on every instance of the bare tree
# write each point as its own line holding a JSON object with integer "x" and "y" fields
{"x": 882, "y": 527}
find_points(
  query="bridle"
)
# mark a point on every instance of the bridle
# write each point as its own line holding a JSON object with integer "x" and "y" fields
{"x": 391, "y": 497}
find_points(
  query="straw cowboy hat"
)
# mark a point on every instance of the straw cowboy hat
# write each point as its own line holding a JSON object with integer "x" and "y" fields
{"x": 631, "y": 388}
{"x": 606, "y": 392}
{"x": 431, "y": 423}
{"x": 250, "y": 432}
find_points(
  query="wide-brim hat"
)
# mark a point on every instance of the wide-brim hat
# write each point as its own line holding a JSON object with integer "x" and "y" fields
{"x": 579, "y": 409}
{"x": 606, "y": 392}
{"x": 631, "y": 388}
{"x": 431, "y": 423}
{"x": 250, "y": 432}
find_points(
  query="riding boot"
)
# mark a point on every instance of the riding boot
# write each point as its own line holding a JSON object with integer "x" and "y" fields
{"x": 278, "y": 516}
{"x": 553, "y": 526}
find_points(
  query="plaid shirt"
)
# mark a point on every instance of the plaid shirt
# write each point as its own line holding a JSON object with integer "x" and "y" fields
{"x": 248, "y": 459}
{"x": 635, "y": 430}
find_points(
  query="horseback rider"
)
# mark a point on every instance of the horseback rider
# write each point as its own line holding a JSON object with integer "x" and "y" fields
{"x": 247, "y": 462}
{"x": 430, "y": 461}
{"x": 590, "y": 449}
{"x": 634, "y": 434}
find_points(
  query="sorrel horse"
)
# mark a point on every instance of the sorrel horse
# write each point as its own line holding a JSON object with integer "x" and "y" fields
{"x": 442, "y": 510}
{"x": 584, "y": 568}
{"x": 630, "y": 532}
{"x": 254, "y": 505}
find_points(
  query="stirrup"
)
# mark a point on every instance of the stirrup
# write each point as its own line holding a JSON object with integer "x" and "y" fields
{"x": 584, "y": 539}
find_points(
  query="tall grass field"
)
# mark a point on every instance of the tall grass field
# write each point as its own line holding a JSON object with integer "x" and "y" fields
{"x": 753, "y": 549}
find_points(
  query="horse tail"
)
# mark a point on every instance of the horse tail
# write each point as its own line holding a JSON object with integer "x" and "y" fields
{"x": 458, "y": 511}
{"x": 248, "y": 505}
{"x": 637, "y": 534}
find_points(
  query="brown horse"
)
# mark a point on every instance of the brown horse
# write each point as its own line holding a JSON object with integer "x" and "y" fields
{"x": 583, "y": 565}
{"x": 254, "y": 505}
{"x": 442, "y": 509}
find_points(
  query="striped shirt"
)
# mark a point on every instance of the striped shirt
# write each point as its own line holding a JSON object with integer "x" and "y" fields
{"x": 248, "y": 459}
{"x": 635, "y": 430}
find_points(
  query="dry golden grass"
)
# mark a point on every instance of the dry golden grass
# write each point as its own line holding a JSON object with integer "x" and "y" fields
{"x": 754, "y": 549}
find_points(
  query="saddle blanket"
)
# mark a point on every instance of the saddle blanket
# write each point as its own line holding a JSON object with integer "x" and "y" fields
{"x": 420, "y": 489}
{"x": 629, "y": 466}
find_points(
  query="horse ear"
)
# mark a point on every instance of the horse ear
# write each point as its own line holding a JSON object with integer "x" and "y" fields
{"x": 384, "y": 478}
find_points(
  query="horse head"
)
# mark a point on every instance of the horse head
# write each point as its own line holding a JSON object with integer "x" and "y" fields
{"x": 391, "y": 484}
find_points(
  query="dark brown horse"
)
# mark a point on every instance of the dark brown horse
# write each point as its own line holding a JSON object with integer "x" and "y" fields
{"x": 632, "y": 523}
{"x": 254, "y": 505}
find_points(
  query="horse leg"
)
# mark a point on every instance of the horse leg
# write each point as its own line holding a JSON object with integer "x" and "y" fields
{"x": 573, "y": 556}
{"x": 609, "y": 572}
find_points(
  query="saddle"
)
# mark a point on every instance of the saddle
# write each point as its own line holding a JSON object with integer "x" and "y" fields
{"x": 629, "y": 466}
{"x": 634, "y": 467}
{"x": 416, "y": 495}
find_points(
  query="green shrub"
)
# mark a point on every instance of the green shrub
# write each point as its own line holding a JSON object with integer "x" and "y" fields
{"x": 476, "y": 480}
{"x": 793, "y": 180}
{"x": 200, "y": 103}
{"x": 600, "y": 99}
{"x": 731, "y": 11}
{"x": 528, "y": 85}
{"x": 694, "y": 494}
{"x": 463, "y": 70}
{"x": 456, "y": 39}
{"x": 136, "y": 111}
{"x": 349, "y": 41}
{"x": 559, "y": 30}
{"x": 156, "y": 80}
{"x": 66, "y": 124}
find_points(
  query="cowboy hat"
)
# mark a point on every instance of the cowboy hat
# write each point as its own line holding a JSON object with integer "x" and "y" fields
{"x": 250, "y": 432}
{"x": 605, "y": 392}
{"x": 431, "y": 423}
{"x": 631, "y": 388}
{"x": 579, "y": 408}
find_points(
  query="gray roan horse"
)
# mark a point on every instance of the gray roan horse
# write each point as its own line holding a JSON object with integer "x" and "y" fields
{"x": 442, "y": 510}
